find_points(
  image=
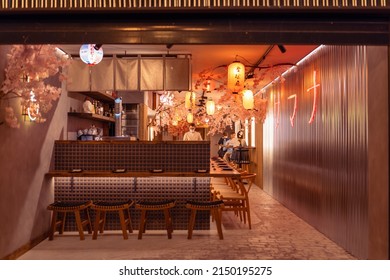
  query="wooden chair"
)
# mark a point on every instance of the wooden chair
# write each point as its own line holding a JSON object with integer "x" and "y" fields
{"x": 249, "y": 178}
{"x": 213, "y": 206}
{"x": 163, "y": 205}
{"x": 77, "y": 208}
{"x": 122, "y": 208}
{"x": 236, "y": 201}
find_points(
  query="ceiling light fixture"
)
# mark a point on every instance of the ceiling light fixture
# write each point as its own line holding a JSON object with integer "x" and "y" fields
{"x": 282, "y": 48}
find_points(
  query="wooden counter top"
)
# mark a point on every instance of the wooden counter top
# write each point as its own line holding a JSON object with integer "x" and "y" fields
{"x": 213, "y": 173}
{"x": 121, "y": 141}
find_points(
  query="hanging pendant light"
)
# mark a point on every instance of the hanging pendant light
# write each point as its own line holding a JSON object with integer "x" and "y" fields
{"x": 189, "y": 99}
{"x": 236, "y": 76}
{"x": 190, "y": 117}
{"x": 208, "y": 85}
{"x": 91, "y": 54}
{"x": 210, "y": 107}
{"x": 248, "y": 99}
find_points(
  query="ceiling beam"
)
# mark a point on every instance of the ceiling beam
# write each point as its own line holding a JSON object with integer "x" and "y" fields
{"x": 194, "y": 29}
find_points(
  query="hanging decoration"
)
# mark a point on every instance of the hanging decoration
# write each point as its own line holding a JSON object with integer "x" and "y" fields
{"x": 190, "y": 117}
{"x": 248, "y": 99}
{"x": 190, "y": 99}
{"x": 26, "y": 77}
{"x": 91, "y": 54}
{"x": 222, "y": 108}
{"x": 210, "y": 107}
{"x": 236, "y": 77}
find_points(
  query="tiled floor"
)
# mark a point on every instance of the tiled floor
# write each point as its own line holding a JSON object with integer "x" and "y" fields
{"x": 276, "y": 234}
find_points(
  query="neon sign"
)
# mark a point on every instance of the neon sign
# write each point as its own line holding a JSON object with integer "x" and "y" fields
{"x": 277, "y": 109}
{"x": 314, "y": 88}
{"x": 277, "y": 103}
{"x": 292, "y": 117}
{"x": 33, "y": 108}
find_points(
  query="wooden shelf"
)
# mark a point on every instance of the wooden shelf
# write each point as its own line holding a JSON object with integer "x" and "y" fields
{"x": 97, "y": 95}
{"x": 91, "y": 116}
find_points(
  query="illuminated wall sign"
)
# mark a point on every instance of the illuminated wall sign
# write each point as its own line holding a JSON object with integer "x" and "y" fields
{"x": 277, "y": 103}
{"x": 277, "y": 109}
{"x": 292, "y": 117}
{"x": 33, "y": 108}
{"x": 314, "y": 88}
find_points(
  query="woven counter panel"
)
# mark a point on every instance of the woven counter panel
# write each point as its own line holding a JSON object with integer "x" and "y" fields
{"x": 115, "y": 189}
{"x": 135, "y": 157}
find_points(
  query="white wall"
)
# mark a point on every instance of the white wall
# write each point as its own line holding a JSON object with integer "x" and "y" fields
{"x": 25, "y": 157}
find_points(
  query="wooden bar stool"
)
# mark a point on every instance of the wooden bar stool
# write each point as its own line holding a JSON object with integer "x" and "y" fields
{"x": 70, "y": 207}
{"x": 102, "y": 207}
{"x": 213, "y": 206}
{"x": 163, "y": 205}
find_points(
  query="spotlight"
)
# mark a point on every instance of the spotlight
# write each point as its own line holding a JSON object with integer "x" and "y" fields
{"x": 250, "y": 75}
{"x": 282, "y": 48}
{"x": 97, "y": 46}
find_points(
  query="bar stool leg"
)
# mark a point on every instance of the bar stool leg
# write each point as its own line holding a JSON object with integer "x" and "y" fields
{"x": 53, "y": 225}
{"x": 89, "y": 226}
{"x": 218, "y": 216}
{"x": 62, "y": 223}
{"x": 123, "y": 224}
{"x": 79, "y": 224}
{"x": 142, "y": 224}
{"x": 191, "y": 223}
{"x": 168, "y": 222}
{"x": 128, "y": 221}
{"x": 97, "y": 225}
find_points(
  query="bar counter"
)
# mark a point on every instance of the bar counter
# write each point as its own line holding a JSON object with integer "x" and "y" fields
{"x": 208, "y": 173}
{"x": 119, "y": 170}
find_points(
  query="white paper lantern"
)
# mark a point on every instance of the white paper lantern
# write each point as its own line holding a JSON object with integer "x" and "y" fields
{"x": 248, "y": 99}
{"x": 90, "y": 55}
{"x": 210, "y": 107}
{"x": 190, "y": 117}
{"x": 189, "y": 99}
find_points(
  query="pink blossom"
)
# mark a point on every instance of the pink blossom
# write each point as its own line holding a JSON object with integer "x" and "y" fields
{"x": 28, "y": 67}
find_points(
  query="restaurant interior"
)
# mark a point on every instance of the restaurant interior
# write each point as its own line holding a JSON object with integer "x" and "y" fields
{"x": 94, "y": 127}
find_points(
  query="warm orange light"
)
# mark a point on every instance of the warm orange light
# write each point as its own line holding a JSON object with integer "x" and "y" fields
{"x": 189, "y": 99}
{"x": 248, "y": 99}
{"x": 210, "y": 107}
{"x": 190, "y": 117}
{"x": 236, "y": 77}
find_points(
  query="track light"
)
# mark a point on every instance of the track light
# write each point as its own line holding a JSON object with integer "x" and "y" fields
{"x": 282, "y": 48}
{"x": 97, "y": 46}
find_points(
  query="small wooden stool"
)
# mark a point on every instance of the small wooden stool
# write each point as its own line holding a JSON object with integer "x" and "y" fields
{"x": 66, "y": 207}
{"x": 213, "y": 206}
{"x": 102, "y": 207}
{"x": 163, "y": 205}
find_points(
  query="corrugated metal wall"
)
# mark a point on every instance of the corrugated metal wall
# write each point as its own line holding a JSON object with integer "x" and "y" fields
{"x": 319, "y": 169}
